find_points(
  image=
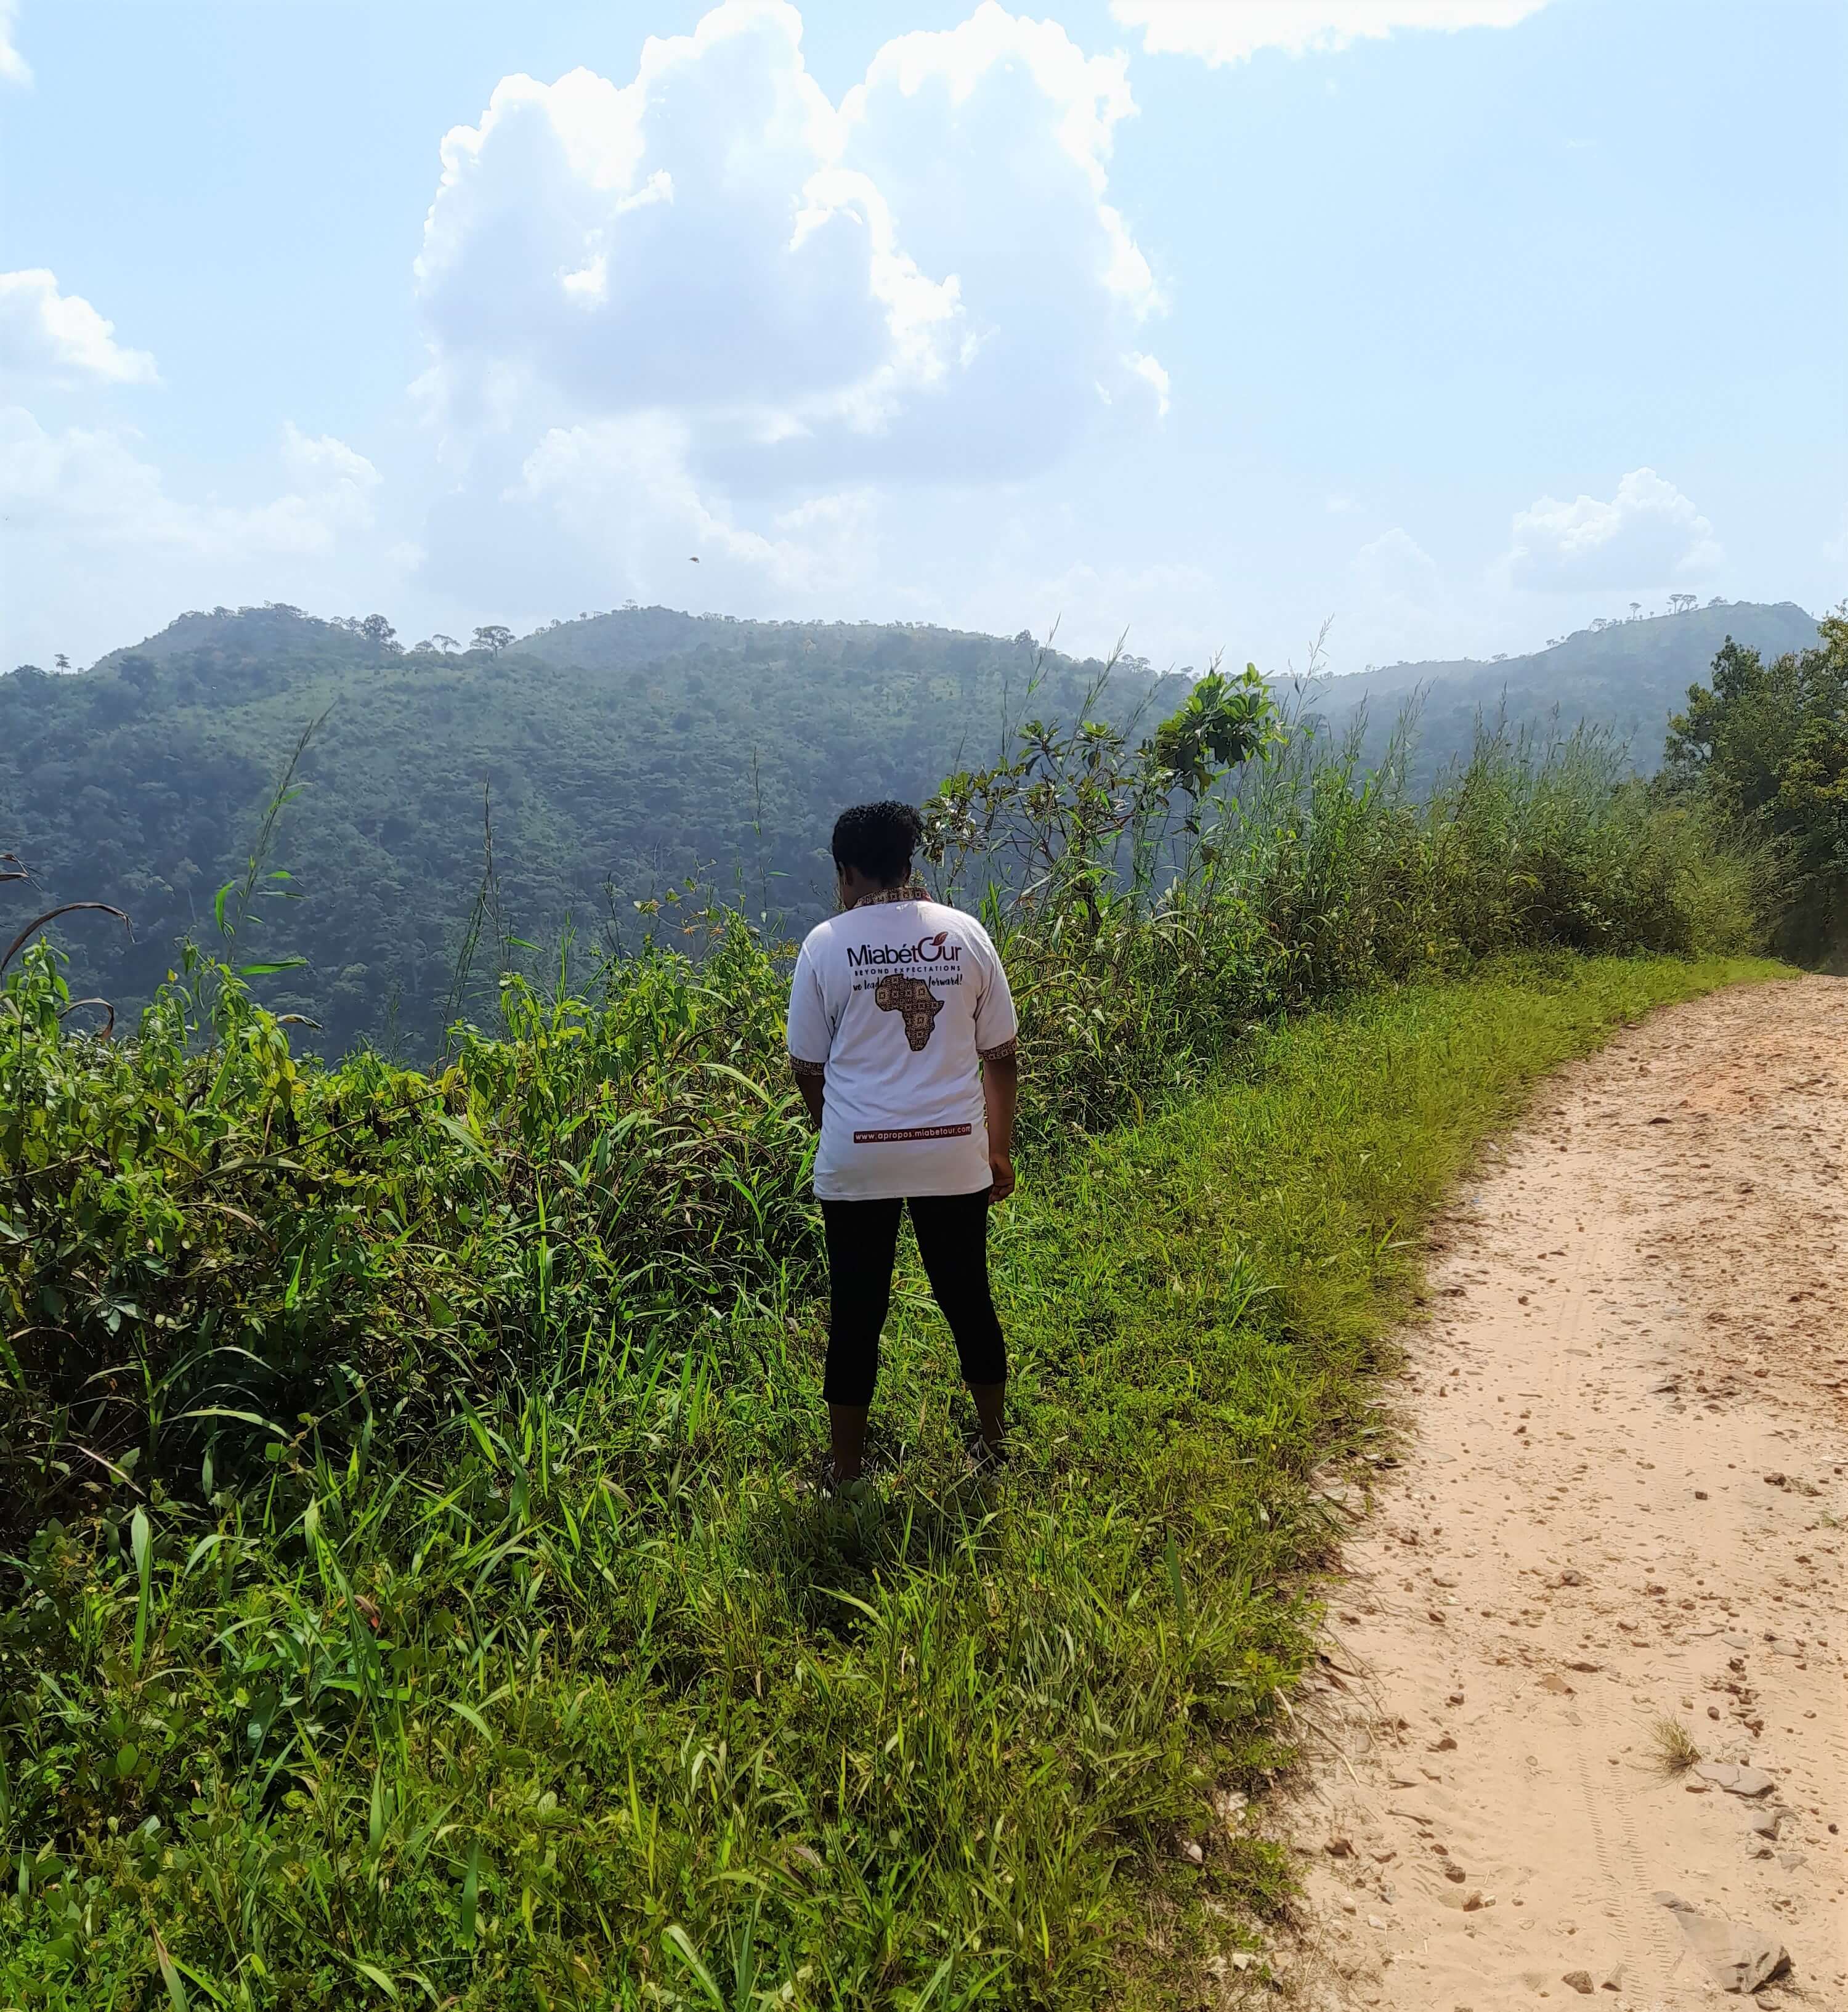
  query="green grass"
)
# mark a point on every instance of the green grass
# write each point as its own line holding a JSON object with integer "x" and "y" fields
{"x": 596, "y": 1702}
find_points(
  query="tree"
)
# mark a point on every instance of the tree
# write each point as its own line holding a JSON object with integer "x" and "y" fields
{"x": 1635, "y": 609}
{"x": 1679, "y": 604}
{"x": 444, "y": 643}
{"x": 492, "y": 637}
{"x": 376, "y": 628}
{"x": 61, "y": 662}
{"x": 1766, "y": 745}
{"x": 1082, "y": 811}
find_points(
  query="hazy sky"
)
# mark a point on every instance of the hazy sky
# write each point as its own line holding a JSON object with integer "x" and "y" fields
{"x": 1460, "y": 321}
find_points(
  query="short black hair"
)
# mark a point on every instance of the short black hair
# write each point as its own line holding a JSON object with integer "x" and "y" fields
{"x": 878, "y": 840}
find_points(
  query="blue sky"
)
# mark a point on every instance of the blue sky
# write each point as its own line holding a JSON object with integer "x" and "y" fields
{"x": 1459, "y": 321}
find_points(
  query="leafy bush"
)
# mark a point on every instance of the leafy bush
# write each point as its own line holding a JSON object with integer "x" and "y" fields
{"x": 218, "y": 1249}
{"x": 1764, "y": 751}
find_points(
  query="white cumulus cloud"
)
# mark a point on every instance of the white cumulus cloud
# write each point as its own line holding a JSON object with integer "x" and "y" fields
{"x": 45, "y": 335}
{"x": 1396, "y": 565}
{"x": 87, "y": 507}
{"x": 622, "y": 488}
{"x": 1395, "y": 593}
{"x": 1230, "y": 31}
{"x": 769, "y": 305}
{"x": 1648, "y": 534}
{"x": 337, "y": 484}
{"x": 14, "y": 69}
{"x": 1396, "y": 603}
{"x": 87, "y": 490}
{"x": 1152, "y": 374}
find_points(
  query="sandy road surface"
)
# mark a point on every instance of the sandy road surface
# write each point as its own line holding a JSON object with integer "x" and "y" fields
{"x": 1622, "y": 1496}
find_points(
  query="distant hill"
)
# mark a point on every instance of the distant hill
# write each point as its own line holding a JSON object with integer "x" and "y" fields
{"x": 1627, "y": 676}
{"x": 622, "y": 754}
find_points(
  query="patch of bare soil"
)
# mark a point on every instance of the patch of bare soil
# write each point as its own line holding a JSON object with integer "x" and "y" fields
{"x": 1621, "y": 1501}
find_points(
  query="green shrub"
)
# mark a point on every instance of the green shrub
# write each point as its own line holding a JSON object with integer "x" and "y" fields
{"x": 1762, "y": 754}
{"x": 218, "y": 1250}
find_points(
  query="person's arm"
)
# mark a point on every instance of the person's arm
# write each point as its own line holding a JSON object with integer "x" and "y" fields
{"x": 810, "y": 1080}
{"x": 1000, "y": 1084}
{"x": 997, "y": 1027}
{"x": 808, "y": 1034}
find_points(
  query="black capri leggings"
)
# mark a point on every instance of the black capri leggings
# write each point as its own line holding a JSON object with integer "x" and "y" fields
{"x": 953, "y": 1241}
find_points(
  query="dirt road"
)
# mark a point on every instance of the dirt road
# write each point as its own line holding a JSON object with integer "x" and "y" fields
{"x": 1622, "y": 1500}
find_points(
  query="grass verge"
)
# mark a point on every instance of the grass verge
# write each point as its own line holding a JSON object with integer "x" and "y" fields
{"x": 595, "y": 1703}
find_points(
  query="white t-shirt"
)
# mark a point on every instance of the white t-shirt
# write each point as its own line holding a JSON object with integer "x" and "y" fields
{"x": 897, "y": 999}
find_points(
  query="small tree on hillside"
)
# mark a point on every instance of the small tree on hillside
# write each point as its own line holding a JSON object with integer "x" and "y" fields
{"x": 1080, "y": 814}
{"x": 492, "y": 637}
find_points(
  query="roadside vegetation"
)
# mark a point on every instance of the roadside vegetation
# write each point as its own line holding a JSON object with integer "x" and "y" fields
{"x": 624, "y": 752}
{"x": 416, "y": 1587}
{"x": 1764, "y": 749}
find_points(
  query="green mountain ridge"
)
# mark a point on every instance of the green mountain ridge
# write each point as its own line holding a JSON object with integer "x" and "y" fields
{"x": 1626, "y": 676}
{"x": 617, "y": 756}
{"x": 620, "y": 756}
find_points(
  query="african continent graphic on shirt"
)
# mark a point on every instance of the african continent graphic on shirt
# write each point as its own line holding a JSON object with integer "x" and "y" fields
{"x": 914, "y": 998}
{"x": 898, "y": 1000}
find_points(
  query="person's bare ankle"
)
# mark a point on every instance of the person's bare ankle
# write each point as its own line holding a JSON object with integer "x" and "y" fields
{"x": 846, "y": 1437}
{"x": 990, "y": 1400}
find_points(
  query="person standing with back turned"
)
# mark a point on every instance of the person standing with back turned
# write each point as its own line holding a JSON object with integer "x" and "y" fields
{"x": 902, "y": 1033}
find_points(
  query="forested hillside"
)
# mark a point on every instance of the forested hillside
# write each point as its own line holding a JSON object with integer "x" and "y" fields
{"x": 618, "y": 755}
{"x": 1627, "y": 675}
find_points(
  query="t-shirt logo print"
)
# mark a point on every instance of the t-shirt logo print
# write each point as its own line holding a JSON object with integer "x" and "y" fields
{"x": 913, "y": 998}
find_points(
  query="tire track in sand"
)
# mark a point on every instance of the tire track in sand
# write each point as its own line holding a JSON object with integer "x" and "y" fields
{"x": 1623, "y": 1497}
